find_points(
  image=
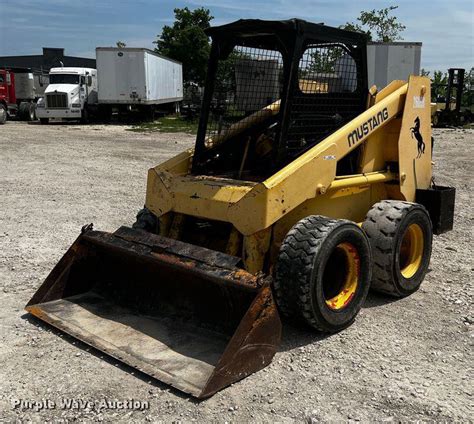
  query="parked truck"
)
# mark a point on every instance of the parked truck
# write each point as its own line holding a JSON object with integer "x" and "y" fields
{"x": 70, "y": 94}
{"x": 20, "y": 88}
{"x": 126, "y": 80}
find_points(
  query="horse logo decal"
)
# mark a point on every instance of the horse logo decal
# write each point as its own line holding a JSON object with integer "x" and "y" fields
{"x": 415, "y": 132}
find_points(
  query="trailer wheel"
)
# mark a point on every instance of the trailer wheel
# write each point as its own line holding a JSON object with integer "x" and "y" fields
{"x": 3, "y": 114}
{"x": 400, "y": 235}
{"x": 323, "y": 272}
{"x": 44, "y": 121}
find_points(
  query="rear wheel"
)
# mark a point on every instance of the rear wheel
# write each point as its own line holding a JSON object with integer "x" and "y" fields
{"x": 400, "y": 235}
{"x": 3, "y": 114}
{"x": 323, "y": 272}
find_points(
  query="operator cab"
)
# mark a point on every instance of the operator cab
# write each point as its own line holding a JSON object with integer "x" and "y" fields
{"x": 275, "y": 89}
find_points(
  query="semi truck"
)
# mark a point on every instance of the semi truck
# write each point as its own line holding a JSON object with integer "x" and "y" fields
{"x": 69, "y": 95}
{"x": 20, "y": 88}
{"x": 126, "y": 80}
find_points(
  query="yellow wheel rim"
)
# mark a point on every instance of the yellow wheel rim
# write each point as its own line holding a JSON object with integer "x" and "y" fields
{"x": 341, "y": 276}
{"x": 411, "y": 251}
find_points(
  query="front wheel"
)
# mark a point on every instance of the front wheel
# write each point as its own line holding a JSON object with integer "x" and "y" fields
{"x": 3, "y": 114}
{"x": 84, "y": 116}
{"x": 323, "y": 273}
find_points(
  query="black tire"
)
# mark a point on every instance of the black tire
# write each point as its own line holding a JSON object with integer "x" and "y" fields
{"x": 26, "y": 111}
{"x": 323, "y": 273}
{"x": 44, "y": 121}
{"x": 147, "y": 221}
{"x": 32, "y": 112}
{"x": 3, "y": 114}
{"x": 23, "y": 111}
{"x": 400, "y": 235}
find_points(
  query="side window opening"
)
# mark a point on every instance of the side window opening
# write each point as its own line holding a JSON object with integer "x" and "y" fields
{"x": 248, "y": 83}
{"x": 327, "y": 69}
{"x": 326, "y": 95}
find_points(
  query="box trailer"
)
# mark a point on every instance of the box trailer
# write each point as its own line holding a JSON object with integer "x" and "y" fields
{"x": 387, "y": 62}
{"x": 137, "y": 76}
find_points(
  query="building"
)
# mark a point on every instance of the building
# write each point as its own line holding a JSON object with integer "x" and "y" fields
{"x": 51, "y": 57}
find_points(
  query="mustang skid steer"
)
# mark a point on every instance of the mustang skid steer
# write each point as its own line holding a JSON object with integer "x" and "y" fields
{"x": 304, "y": 190}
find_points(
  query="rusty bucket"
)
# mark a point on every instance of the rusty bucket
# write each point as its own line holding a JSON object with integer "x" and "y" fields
{"x": 185, "y": 315}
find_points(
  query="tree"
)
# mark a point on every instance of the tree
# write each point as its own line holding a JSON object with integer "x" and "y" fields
{"x": 121, "y": 44}
{"x": 438, "y": 85}
{"x": 378, "y": 23}
{"x": 187, "y": 42}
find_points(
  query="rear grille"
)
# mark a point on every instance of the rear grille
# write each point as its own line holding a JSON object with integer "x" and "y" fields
{"x": 56, "y": 100}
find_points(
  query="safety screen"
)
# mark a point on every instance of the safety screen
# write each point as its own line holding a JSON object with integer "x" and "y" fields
{"x": 247, "y": 92}
{"x": 326, "y": 96}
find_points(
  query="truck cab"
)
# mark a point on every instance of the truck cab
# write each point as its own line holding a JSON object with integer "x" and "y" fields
{"x": 7, "y": 93}
{"x": 20, "y": 88}
{"x": 70, "y": 94}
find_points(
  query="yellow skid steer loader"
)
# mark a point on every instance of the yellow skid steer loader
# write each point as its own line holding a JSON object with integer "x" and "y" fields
{"x": 304, "y": 189}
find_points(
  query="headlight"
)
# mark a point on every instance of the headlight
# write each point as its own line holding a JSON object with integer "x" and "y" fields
{"x": 40, "y": 102}
{"x": 76, "y": 105}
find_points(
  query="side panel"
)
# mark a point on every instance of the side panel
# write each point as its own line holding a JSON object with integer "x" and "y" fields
{"x": 121, "y": 76}
{"x": 414, "y": 143}
{"x": 382, "y": 146}
{"x": 403, "y": 61}
{"x": 164, "y": 80}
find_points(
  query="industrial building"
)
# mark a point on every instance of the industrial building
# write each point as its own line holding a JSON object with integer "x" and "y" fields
{"x": 51, "y": 57}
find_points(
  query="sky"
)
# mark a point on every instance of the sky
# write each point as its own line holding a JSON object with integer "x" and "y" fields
{"x": 445, "y": 27}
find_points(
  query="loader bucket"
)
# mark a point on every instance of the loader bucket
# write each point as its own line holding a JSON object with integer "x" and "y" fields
{"x": 185, "y": 315}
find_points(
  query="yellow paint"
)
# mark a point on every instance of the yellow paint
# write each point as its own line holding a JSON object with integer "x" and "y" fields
{"x": 255, "y": 248}
{"x": 309, "y": 184}
{"x": 346, "y": 278}
{"x": 415, "y": 169}
{"x": 411, "y": 251}
{"x": 382, "y": 146}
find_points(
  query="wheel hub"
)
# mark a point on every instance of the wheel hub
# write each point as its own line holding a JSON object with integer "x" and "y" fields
{"x": 341, "y": 276}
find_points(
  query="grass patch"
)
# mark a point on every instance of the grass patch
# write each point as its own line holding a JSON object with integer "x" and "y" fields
{"x": 169, "y": 124}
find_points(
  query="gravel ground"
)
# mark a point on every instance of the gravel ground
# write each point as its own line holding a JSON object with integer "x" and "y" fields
{"x": 402, "y": 360}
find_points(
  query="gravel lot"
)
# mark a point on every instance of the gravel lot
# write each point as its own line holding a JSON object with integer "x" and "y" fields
{"x": 402, "y": 360}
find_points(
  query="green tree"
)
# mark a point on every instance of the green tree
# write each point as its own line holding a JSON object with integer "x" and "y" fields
{"x": 324, "y": 60}
{"x": 439, "y": 82}
{"x": 379, "y": 25}
{"x": 187, "y": 42}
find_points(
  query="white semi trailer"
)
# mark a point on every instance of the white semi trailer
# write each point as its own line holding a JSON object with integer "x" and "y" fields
{"x": 126, "y": 79}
